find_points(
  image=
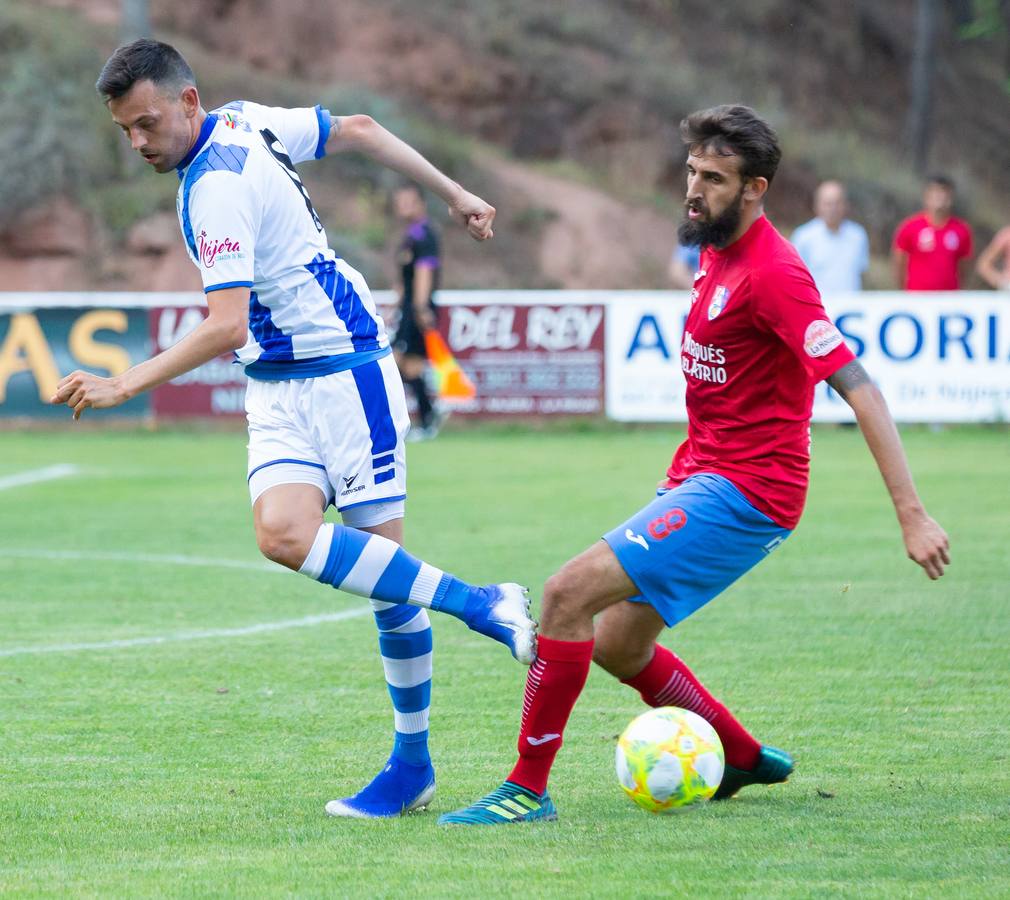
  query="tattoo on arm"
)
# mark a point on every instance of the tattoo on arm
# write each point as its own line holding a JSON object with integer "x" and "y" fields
{"x": 849, "y": 377}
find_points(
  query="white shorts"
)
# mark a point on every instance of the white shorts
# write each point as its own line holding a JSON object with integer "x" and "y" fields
{"x": 341, "y": 432}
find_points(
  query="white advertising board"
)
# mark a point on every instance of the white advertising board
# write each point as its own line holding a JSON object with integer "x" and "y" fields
{"x": 941, "y": 357}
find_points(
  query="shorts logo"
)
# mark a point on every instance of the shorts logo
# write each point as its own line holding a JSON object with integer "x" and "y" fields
{"x": 349, "y": 481}
{"x": 671, "y": 521}
{"x": 821, "y": 338}
{"x": 719, "y": 300}
{"x": 636, "y": 538}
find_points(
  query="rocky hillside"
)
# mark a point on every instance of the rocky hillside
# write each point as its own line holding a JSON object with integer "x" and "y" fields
{"x": 564, "y": 115}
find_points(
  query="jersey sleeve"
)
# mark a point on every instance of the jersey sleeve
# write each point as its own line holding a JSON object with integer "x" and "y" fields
{"x": 965, "y": 248}
{"x": 426, "y": 249}
{"x": 787, "y": 304}
{"x": 302, "y": 131}
{"x": 221, "y": 224}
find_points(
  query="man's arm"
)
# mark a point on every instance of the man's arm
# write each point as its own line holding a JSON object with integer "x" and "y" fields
{"x": 224, "y": 329}
{"x": 899, "y": 265}
{"x": 925, "y": 541}
{"x": 424, "y": 280}
{"x": 986, "y": 266}
{"x": 365, "y": 135}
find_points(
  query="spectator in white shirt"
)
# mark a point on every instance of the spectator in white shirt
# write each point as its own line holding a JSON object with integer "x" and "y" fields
{"x": 835, "y": 249}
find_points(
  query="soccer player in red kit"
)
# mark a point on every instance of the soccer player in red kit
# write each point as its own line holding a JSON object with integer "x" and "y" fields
{"x": 756, "y": 341}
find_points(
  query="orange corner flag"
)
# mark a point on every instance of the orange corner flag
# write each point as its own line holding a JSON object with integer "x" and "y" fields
{"x": 453, "y": 383}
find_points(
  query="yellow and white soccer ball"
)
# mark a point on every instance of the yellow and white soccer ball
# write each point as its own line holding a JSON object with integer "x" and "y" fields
{"x": 669, "y": 758}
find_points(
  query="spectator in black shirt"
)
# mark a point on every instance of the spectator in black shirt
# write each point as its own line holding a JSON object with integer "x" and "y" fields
{"x": 418, "y": 257}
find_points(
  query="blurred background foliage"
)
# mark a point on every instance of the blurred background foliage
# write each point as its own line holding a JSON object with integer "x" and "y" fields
{"x": 563, "y": 114}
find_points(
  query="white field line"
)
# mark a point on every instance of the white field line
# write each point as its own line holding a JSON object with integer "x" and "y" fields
{"x": 33, "y": 476}
{"x": 148, "y": 558}
{"x": 181, "y": 637}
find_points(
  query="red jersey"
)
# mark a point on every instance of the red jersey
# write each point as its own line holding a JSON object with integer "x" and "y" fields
{"x": 756, "y": 341}
{"x": 933, "y": 253}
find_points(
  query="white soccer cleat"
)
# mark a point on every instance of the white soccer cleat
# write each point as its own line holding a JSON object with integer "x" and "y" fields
{"x": 506, "y": 618}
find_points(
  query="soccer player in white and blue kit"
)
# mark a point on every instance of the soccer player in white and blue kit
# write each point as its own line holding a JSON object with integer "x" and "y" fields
{"x": 325, "y": 403}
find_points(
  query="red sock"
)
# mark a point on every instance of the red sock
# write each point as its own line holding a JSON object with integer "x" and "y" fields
{"x": 666, "y": 681}
{"x": 553, "y": 684}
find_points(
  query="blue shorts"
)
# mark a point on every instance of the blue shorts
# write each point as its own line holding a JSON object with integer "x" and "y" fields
{"x": 691, "y": 543}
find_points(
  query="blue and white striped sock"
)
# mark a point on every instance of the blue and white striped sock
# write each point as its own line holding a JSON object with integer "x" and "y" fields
{"x": 405, "y": 645}
{"x": 375, "y": 567}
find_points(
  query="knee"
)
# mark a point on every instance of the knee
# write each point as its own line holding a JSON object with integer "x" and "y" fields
{"x": 621, "y": 650}
{"x": 619, "y": 659}
{"x": 283, "y": 542}
{"x": 605, "y": 655}
{"x": 563, "y": 601}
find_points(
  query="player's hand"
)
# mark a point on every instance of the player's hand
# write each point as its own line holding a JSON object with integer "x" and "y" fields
{"x": 425, "y": 318}
{"x": 474, "y": 215}
{"x": 82, "y": 390}
{"x": 927, "y": 545}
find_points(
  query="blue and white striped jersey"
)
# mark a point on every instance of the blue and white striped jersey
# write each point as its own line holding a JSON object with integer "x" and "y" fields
{"x": 248, "y": 221}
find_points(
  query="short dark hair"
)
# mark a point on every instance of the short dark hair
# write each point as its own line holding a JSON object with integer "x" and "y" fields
{"x": 944, "y": 181}
{"x": 407, "y": 185}
{"x": 143, "y": 60}
{"x": 732, "y": 130}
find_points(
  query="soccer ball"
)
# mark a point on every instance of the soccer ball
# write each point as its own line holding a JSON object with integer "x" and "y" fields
{"x": 669, "y": 758}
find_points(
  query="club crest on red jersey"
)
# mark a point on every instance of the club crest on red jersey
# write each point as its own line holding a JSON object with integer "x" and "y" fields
{"x": 719, "y": 300}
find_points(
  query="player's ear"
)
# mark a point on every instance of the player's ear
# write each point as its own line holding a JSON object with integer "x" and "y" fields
{"x": 755, "y": 188}
{"x": 190, "y": 99}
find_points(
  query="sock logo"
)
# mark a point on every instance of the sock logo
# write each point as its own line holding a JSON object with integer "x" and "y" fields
{"x": 636, "y": 538}
{"x": 536, "y": 742}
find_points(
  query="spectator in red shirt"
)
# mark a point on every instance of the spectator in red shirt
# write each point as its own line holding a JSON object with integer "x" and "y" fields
{"x": 932, "y": 248}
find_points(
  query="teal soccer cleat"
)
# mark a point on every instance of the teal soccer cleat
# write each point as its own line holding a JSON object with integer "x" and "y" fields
{"x": 508, "y": 804}
{"x": 773, "y": 766}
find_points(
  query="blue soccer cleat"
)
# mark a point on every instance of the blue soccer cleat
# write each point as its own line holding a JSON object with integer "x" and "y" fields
{"x": 398, "y": 789}
{"x": 773, "y": 766}
{"x": 505, "y": 617}
{"x": 509, "y": 804}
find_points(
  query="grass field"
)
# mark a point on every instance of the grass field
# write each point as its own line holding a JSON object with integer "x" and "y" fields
{"x": 200, "y": 766}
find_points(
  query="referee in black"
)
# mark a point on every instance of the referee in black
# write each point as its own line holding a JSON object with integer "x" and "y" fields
{"x": 418, "y": 258}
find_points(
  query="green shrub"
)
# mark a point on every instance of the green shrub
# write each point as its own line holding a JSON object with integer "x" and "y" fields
{"x": 54, "y": 139}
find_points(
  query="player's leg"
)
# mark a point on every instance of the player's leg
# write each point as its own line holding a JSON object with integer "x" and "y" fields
{"x": 583, "y": 587}
{"x": 626, "y": 648}
{"x": 413, "y": 369}
{"x": 407, "y": 779}
{"x": 412, "y": 360}
{"x": 286, "y": 461}
{"x": 676, "y": 554}
{"x": 719, "y": 536}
